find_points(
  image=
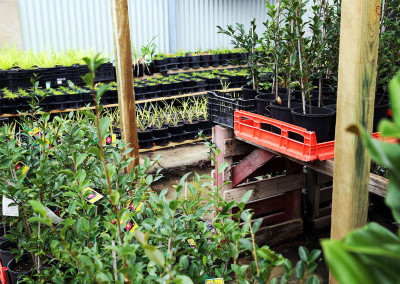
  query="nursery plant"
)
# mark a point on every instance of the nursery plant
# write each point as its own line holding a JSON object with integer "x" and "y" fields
{"x": 247, "y": 42}
{"x": 88, "y": 221}
{"x": 372, "y": 254}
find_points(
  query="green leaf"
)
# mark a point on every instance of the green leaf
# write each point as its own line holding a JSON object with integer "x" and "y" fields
{"x": 154, "y": 254}
{"x": 95, "y": 150}
{"x": 66, "y": 224}
{"x": 345, "y": 267}
{"x": 300, "y": 269}
{"x": 247, "y": 196}
{"x": 256, "y": 225}
{"x": 245, "y": 216}
{"x": 246, "y": 244}
{"x": 303, "y": 253}
{"x": 394, "y": 88}
{"x": 314, "y": 254}
{"x": 149, "y": 179}
{"x": 173, "y": 204}
{"x": 80, "y": 159}
{"x": 388, "y": 129}
{"x": 114, "y": 197}
{"x": 141, "y": 238}
{"x": 222, "y": 167}
{"x": 39, "y": 207}
{"x": 183, "y": 279}
{"x": 312, "y": 280}
{"x": 104, "y": 124}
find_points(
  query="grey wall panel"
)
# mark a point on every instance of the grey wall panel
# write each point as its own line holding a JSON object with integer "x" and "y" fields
{"x": 87, "y": 24}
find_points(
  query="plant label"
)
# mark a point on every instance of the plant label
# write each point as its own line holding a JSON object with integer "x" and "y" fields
{"x": 19, "y": 166}
{"x": 60, "y": 80}
{"x": 110, "y": 139}
{"x": 93, "y": 196}
{"x": 48, "y": 83}
{"x": 215, "y": 281}
{"x": 34, "y": 132}
{"x": 192, "y": 243}
{"x": 9, "y": 210}
{"x": 54, "y": 218}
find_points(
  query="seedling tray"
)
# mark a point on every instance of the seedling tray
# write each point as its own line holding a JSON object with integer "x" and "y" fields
{"x": 293, "y": 141}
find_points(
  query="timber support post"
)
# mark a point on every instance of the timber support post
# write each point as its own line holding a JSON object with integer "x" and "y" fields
{"x": 359, "y": 38}
{"x": 124, "y": 76}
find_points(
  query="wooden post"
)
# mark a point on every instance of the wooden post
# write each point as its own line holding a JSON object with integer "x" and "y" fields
{"x": 359, "y": 37}
{"x": 123, "y": 66}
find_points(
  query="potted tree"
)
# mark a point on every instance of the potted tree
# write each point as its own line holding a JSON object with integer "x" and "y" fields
{"x": 247, "y": 42}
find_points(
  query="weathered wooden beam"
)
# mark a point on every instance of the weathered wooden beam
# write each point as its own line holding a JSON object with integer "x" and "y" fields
{"x": 265, "y": 188}
{"x": 234, "y": 147}
{"x": 220, "y": 134}
{"x": 359, "y": 38}
{"x": 325, "y": 194}
{"x": 293, "y": 204}
{"x": 277, "y": 234}
{"x": 124, "y": 76}
{"x": 251, "y": 163}
{"x": 313, "y": 194}
{"x": 377, "y": 184}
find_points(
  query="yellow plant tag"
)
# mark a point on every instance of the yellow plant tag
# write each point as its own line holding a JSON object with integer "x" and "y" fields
{"x": 21, "y": 166}
{"x": 192, "y": 243}
{"x": 215, "y": 281}
{"x": 34, "y": 131}
{"x": 93, "y": 196}
{"x": 110, "y": 139}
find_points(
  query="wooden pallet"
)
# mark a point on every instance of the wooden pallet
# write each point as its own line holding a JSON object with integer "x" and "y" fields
{"x": 277, "y": 200}
{"x": 172, "y": 144}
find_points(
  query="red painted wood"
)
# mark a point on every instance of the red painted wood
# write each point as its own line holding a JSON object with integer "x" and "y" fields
{"x": 220, "y": 134}
{"x": 251, "y": 163}
{"x": 266, "y": 205}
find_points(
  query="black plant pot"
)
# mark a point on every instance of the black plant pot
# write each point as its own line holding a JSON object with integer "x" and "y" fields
{"x": 224, "y": 59}
{"x": 12, "y": 265}
{"x": 282, "y": 112}
{"x": 176, "y": 130}
{"x": 324, "y": 102}
{"x": 249, "y": 93}
{"x": 195, "y": 61}
{"x": 184, "y": 60}
{"x": 145, "y": 135}
{"x": 264, "y": 99}
{"x": 205, "y": 124}
{"x": 5, "y": 252}
{"x": 190, "y": 127}
{"x": 321, "y": 121}
{"x": 205, "y": 60}
{"x": 214, "y": 60}
{"x": 173, "y": 63}
{"x": 160, "y": 133}
{"x": 380, "y": 111}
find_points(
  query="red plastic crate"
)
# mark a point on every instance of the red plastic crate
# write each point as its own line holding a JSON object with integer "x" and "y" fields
{"x": 254, "y": 128}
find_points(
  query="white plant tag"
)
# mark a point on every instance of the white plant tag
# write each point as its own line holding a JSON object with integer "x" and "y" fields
{"x": 9, "y": 210}
{"x": 54, "y": 218}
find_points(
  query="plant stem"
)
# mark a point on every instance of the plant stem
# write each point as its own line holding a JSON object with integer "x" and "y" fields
{"x": 254, "y": 248}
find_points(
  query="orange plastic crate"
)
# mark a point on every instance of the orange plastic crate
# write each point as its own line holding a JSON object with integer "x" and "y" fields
{"x": 3, "y": 275}
{"x": 257, "y": 129}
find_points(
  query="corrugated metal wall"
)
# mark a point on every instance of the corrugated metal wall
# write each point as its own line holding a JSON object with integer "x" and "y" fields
{"x": 178, "y": 24}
